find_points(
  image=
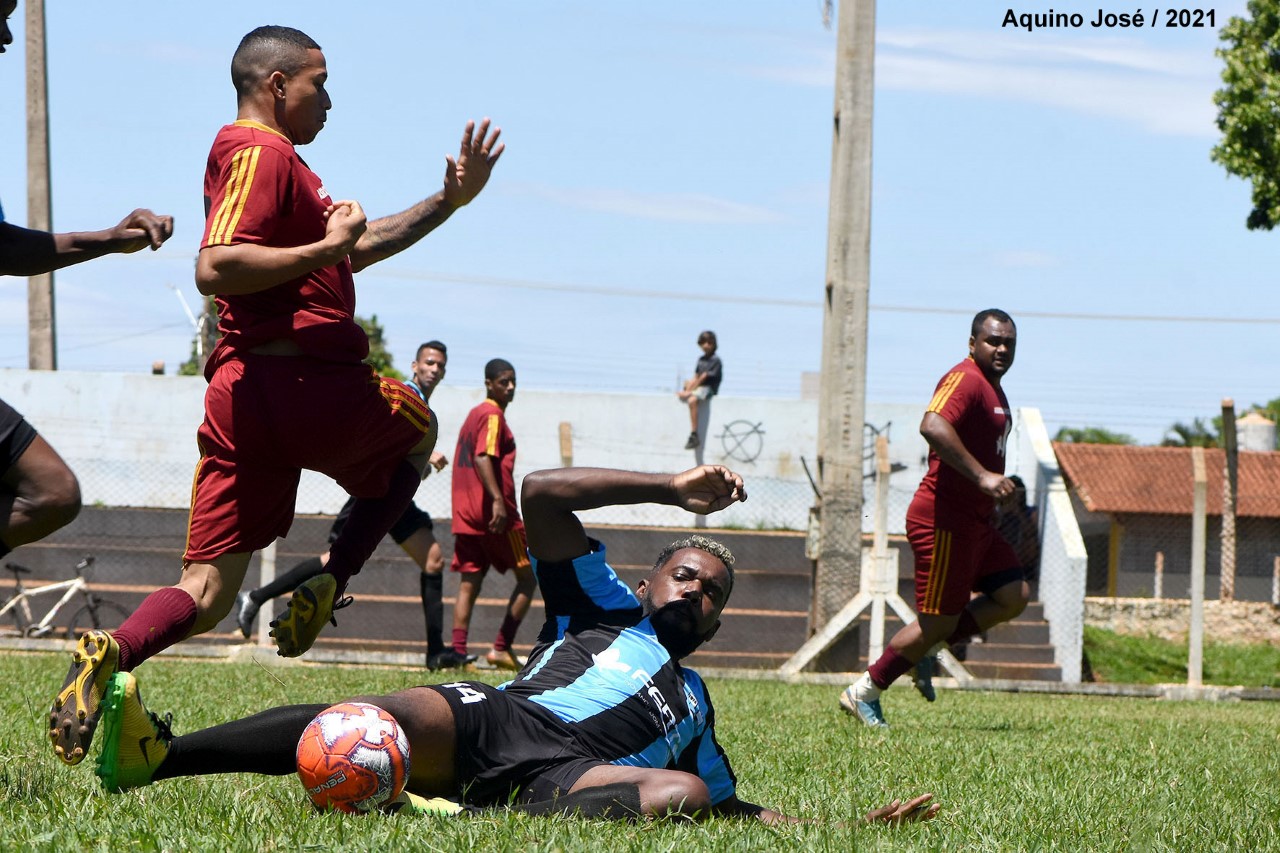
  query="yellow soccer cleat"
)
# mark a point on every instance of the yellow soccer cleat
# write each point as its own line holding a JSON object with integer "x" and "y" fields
{"x": 75, "y": 710}
{"x": 135, "y": 742}
{"x": 311, "y": 606}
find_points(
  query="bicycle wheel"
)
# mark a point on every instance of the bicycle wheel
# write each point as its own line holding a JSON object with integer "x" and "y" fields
{"x": 104, "y": 614}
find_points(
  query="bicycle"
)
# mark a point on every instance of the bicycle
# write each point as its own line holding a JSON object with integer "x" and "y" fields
{"x": 96, "y": 612}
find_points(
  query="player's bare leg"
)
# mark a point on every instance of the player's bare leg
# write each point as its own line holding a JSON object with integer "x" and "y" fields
{"x": 1002, "y": 605}
{"x": 468, "y": 591}
{"x": 501, "y": 655}
{"x": 214, "y": 586}
{"x": 427, "y": 721}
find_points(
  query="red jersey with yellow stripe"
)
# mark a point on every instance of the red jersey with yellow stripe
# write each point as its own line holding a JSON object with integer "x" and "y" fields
{"x": 484, "y": 433}
{"x": 979, "y": 413}
{"x": 258, "y": 190}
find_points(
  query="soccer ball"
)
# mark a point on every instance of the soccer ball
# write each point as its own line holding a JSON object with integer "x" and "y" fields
{"x": 353, "y": 757}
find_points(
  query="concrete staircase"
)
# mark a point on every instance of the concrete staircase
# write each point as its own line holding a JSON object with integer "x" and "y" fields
{"x": 139, "y": 550}
{"x": 1017, "y": 650}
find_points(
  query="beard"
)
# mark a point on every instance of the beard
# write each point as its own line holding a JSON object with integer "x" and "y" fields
{"x": 676, "y": 626}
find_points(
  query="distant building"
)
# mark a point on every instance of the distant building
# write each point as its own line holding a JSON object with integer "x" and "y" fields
{"x": 1135, "y": 502}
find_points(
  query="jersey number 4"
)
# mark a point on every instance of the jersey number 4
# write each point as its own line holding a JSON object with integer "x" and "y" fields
{"x": 468, "y": 693}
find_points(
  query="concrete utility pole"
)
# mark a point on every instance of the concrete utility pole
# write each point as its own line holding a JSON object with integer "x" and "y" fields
{"x": 842, "y": 400}
{"x": 41, "y": 346}
{"x": 1230, "y": 490}
{"x": 1195, "y": 637}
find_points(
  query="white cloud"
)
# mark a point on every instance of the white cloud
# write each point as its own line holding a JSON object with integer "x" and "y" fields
{"x": 666, "y": 207}
{"x": 1167, "y": 91}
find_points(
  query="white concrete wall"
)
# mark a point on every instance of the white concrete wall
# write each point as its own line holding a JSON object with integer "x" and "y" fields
{"x": 1063, "y": 561}
{"x": 131, "y": 440}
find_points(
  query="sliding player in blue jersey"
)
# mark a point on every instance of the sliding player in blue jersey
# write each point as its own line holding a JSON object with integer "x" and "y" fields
{"x": 602, "y": 720}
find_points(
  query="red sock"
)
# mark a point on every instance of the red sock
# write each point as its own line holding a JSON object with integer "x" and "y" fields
{"x": 966, "y": 629}
{"x": 164, "y": 617}
{"x": 506, "y": 633}
{"x": 886, "y": 670}
{"x": 370, "y": 520}
{"x": 460, "y": 640}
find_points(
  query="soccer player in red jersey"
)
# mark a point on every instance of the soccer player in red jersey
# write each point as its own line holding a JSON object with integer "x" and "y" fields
{"x": 287, "y": 389}
{"x": 487, "y": 530}
{"x": 956, "y": 546}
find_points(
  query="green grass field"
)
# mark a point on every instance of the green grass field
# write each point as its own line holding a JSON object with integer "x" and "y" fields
{"x": 1119, "y": 659}
{"x": 1013, "y": 772}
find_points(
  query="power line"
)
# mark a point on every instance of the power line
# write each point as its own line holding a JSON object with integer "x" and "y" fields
{"x": 812, "y": 304}
{"x": 808, "y": 304}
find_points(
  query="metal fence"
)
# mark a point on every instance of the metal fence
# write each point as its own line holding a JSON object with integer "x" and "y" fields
{"x": 133, "y": 446}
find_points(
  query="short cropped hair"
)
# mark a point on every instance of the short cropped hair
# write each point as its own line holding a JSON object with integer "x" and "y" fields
{"x": 993, "y": 313}
{"x": 268, "y": 49}
{"x": 708, "y": 337}
{"x": 703, "y": 543}
{"x": 497, "y": 366}
{"x": 431, "y": 345}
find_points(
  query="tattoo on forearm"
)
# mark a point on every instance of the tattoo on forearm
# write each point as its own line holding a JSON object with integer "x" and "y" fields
{"x": 395, "y": 233}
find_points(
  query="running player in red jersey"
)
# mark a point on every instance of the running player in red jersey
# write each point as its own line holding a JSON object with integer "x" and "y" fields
{"x": 487, "y": 530}
{"x": 287, "y": 389}
{"x": 956, "y": 546}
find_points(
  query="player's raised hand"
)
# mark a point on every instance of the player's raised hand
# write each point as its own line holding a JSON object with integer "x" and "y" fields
{"x": 912, "y": 811}
{"x": 466, "y": 176}
{"x": 141, "y": 229}
{"x": 708, "y": 488}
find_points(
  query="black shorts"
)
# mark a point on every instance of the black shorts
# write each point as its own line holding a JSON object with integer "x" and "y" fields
{"x": 16, "y": 436}
{"x": 410, "y": 522}
{"x": 510, "y": 748}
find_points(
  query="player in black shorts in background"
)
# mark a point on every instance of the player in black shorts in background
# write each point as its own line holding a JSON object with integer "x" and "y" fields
{"x": 412, "y": 532}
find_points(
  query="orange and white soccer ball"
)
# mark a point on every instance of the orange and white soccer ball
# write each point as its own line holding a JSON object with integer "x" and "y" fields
{"x": 353, "y": 757}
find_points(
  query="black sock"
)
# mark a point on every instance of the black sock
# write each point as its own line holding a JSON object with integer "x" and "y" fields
{"x": 370, "y": 520}
{"x": 433, "y": 610}
{"x": 617, "y": 801}
{"x": 287, "y": 582}
{"x": 264, "y": 743}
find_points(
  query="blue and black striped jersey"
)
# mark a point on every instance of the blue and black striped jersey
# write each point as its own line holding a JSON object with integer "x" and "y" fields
{"x": 598, "y": 664}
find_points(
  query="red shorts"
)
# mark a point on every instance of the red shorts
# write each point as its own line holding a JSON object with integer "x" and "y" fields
{"x": 955, "y": 557}
{"x": 475, "y": 552}
{"x": 268, "y": 417}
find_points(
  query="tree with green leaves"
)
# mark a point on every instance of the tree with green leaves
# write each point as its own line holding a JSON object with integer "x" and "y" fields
{"x": 1198, "y": 433}
{"x": 1249, "y": 107}
{"x": 379, "y": 358}
{"x": 1092, "y": 435}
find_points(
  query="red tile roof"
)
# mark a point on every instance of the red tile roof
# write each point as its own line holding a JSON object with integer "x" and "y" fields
{"x": 1158, "y": 480}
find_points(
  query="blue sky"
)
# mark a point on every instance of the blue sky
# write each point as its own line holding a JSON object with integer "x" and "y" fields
{"x": 667, "y": 171}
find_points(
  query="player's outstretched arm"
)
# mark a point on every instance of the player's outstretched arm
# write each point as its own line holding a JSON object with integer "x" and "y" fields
{"x": 550, "y": 498}
{"x": 464, "y": 178}
{"x": 27, "y": 252}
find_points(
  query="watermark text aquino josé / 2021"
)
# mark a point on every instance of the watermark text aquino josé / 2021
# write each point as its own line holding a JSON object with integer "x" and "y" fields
{"x": 1103, "y": 19}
